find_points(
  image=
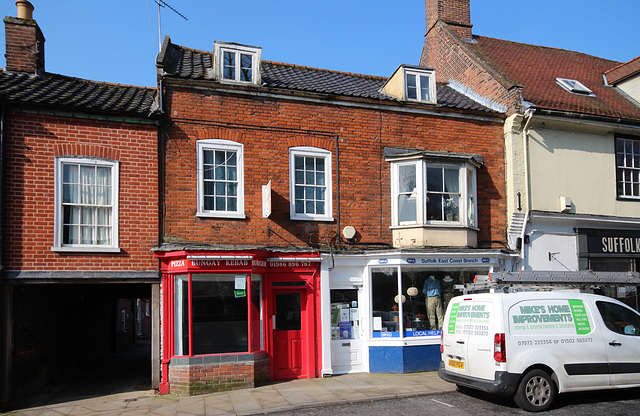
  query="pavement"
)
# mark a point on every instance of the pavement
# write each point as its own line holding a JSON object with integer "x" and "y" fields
{"x": 274, "y": 397}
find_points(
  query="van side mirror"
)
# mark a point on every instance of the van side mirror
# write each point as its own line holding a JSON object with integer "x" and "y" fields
{"x": 630, "y": 330}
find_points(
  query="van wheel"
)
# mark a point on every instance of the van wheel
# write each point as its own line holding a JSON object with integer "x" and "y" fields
{"x": 536, "y": 391}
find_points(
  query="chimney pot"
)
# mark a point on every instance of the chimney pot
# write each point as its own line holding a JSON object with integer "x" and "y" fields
{"x": 25, "y": 9}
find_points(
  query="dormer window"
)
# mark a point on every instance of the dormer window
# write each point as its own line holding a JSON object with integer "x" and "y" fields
{"x": 237, "y": 63}
{"x": 574, "y": 86}
{"x": 412, "y": 83}
{"x": 419, "y": 85}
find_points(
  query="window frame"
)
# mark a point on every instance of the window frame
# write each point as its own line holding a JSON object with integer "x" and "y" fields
{"x": 220, "y": 145}
{"x": 574, "y": 86}
{"x": 615, "y": 325}
{"x": 219, "y": 63}
{"x": 418, "y": 73}
{"x": 183, "y": 311}
{"x": 59, "y": 245}
{"x": 328, "y": 197}
{"x": 633, "y": 170}
{"x": 467, "y": 178}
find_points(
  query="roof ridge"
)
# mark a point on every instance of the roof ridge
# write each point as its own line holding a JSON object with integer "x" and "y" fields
{"x": 620, "y": 65}
{"x": 193, "y": 49}
{"x": 50, "y": 74}
{"x": 546, "y": 47}
{"x": 378, "y": 77}
{"x": 355, "y": 74}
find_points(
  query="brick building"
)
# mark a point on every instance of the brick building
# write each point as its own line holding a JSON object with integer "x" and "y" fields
{"x": 79, "y": 217}
{"x": 572, "y": 148}
{"x": 300, "y": 205}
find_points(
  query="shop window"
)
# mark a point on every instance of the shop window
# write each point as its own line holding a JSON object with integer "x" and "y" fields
{"x": 386, "y": 312}
{"x": 345, "y": 320}
{"x": 310, "y": 184}
{"x": 220, "y": 314}
{"x": 220, "y": 179}
{"x": 411, "y": 304}
{"x": 430, "y": 193}
{"x": 86, "y": 217}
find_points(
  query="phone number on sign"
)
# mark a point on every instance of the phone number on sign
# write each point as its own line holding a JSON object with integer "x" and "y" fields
{"x": 556, "y": 341}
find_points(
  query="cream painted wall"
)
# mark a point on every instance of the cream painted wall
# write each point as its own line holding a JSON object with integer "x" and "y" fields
{"x": 579, "y": 166}
{"x": 631, "y": 87}
{"x": 395, "y": 85}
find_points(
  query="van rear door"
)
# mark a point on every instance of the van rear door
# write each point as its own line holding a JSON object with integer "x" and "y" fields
{"x": 455, "y": 338}
{"x": 469, "y": 335}
{"x": 484, "y": 321}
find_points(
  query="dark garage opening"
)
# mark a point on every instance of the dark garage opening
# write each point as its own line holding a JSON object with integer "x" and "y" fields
{"x": 79, "y": 340}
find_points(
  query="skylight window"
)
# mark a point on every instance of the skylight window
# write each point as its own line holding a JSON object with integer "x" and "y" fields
{"x": 574, "y": 86}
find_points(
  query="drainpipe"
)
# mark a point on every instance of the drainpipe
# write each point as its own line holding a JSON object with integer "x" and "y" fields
{"x": 525, "y": 150}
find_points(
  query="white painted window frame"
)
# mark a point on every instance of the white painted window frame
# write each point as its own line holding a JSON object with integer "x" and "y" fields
{"x": 317, "y": 153}
{"x": 222, "y": 145}
{"x": 219, "y": 48}
{"x": 58, "y": 244}
{"x": 575, "y": 87}
{"x": 418, "y": 73}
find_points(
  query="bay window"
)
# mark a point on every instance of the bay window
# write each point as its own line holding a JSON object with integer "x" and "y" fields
{"x": 431, "y": 191}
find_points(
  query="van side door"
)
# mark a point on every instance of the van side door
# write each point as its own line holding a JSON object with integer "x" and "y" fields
{"x": 622, "y": 341}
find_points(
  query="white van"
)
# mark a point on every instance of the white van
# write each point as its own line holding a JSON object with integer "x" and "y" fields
{"x": 533, "y": 345}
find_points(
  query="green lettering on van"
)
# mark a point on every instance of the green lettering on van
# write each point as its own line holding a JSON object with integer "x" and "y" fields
{"x": 580, "y": 317}
{"x": 452, "y": 318}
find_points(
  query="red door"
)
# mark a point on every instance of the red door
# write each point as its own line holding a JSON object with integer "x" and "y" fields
{"x": 289, "y": 344}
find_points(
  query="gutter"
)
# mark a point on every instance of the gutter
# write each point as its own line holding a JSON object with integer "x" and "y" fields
{"x": 614, "y": 122}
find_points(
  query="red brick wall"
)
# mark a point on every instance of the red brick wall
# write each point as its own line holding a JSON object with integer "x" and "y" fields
{"x": 208, "y": 378}
{"x": 453, "y": 61}
{"x": 455, "y": 12}
{"x": 22, "y": 39}
{"x": 365, "y": 200}
{"x": 31, "y": 144}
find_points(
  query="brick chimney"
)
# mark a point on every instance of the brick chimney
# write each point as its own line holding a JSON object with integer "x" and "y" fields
{"x": 24, "y": 41}
{"x": 456, "y": 13}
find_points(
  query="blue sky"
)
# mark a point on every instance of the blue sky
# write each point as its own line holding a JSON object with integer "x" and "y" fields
{"x": 117, "y": 40}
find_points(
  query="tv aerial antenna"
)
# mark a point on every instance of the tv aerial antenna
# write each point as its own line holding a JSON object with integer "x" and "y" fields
{"x": 162, "y": 3}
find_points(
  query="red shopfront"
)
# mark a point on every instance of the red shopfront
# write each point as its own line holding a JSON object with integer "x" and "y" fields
{"x": 238, "y": 319}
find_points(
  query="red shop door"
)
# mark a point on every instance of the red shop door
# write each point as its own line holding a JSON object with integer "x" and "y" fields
{"x": 289, "y": 346}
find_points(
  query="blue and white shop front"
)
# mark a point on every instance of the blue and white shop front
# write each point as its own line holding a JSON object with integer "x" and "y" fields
{"x": 382, "y": 312}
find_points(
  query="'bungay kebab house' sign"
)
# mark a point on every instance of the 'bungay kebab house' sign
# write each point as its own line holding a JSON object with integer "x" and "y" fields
{"x": 621, "y": 244}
